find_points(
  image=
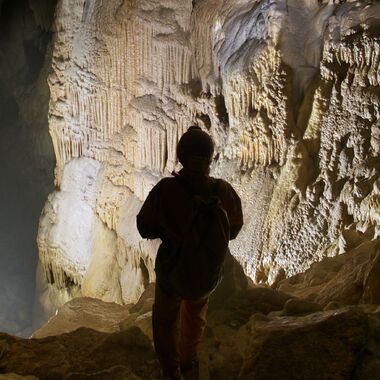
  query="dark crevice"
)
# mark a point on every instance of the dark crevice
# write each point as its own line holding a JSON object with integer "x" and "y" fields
{"x": 35, "y": 51}
{"x": 206, "y": 121}
{"x": 195, "y": 87}
{"x": 145, "y": 273}
{"x": 69, "y": 282}
{"x": 221, "y": 110}
{"x": 50, "y": 278}
{"x": 26, "y": 156}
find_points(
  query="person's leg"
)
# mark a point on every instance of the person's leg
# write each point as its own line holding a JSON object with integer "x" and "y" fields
{"x": 165, "y": 318}
{"x": 193, "y": 322}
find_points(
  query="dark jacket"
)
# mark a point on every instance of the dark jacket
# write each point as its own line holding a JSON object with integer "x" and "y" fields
{"x": 168, "y": 207}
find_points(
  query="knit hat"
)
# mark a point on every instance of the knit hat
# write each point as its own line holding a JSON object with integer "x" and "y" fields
{"x": 195, "y": 143}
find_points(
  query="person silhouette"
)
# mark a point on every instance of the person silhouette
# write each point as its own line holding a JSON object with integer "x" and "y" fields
{"x": 178, "y": 323}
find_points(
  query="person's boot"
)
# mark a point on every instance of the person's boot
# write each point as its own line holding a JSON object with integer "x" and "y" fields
{"x": 190, "y": 370}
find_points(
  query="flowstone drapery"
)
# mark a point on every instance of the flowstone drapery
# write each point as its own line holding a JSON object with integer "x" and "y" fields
{"x": 289, "y": 91}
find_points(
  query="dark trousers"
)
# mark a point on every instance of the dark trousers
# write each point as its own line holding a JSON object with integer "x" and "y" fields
{"x": 178, "y": 326}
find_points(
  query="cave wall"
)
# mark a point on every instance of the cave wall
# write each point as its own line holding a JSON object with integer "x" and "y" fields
{"x": 26, "y": 153}
{"x": 289, "y": 90}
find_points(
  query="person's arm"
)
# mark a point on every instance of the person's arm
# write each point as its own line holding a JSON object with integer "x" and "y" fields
{"x": 236, "y": 219}
{"x": 148, "y": 218}
{"x": 232, "y": 204}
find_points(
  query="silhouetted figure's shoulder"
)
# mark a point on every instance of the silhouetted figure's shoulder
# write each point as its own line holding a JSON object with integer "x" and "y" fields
{"x": 169, "y": 203}
{"x": 222, "y": 185}
{"x": 166, "y": 182}
{"x": 164, "y": 205}
{"x": 165, "y": 188}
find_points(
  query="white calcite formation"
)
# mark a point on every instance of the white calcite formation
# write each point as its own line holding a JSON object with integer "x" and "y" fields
{"x": 289, "y": 90}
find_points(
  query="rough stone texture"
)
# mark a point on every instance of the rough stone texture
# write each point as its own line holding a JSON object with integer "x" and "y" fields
{"x": 342, "y": 280}
{"x": 253, "y": 336}
{"x": 84, "y": 312}
{"x": 289, "y": 90}
{"x": 258, "y": 333}
{"x": 13, "y": 376}
{"x": 340, "y": 336}
{"x": 84, "y": 353}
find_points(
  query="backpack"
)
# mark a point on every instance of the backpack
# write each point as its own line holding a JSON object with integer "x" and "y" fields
{"x": 201, "y": 253}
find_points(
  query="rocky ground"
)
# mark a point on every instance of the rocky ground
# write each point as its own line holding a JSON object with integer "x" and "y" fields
{"x": 321, "y": 324}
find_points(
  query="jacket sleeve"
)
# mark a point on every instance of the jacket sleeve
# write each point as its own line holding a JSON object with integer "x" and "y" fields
{"x": 232, "y": 204}
{"x": 147, "y": 219}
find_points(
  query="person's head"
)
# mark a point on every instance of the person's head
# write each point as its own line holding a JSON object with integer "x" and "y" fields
{"x": 195, "y": 150}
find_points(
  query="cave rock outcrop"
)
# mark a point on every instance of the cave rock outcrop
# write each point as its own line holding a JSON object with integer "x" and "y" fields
{"x": 289, "y": 90}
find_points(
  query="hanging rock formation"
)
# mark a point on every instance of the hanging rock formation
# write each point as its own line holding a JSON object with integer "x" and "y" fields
{"x": 289, "y": 90}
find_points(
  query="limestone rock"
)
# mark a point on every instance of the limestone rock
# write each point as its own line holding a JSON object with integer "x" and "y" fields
{"x": 346, "y": 279}
{"x": 371, "y": 284}
{"x": 295, "y": 122}
{"x": 140, "y": 314}
{"x": 245, "y": 339}
{"x": 330, "y": 342}
{"x": 83, "y": 353}
{"x": 84, "y": 312}
{"x": 298, "y": 307}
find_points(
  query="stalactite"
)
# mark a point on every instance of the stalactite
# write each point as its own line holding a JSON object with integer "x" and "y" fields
{"x": 58, "y": 272}
{"x": 261, "y": 96}
{"x": 165, "y": 63}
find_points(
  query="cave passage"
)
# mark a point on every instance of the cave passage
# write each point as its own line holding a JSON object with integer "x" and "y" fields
{"x": 26, "y": 157}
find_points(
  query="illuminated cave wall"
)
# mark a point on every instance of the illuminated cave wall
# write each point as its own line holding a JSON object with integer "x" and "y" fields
{"x": 289, "y": 90}
{"x": 26, "y": 153}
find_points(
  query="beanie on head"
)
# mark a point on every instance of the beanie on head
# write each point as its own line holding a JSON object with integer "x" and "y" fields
{"x": 195, "y": 143}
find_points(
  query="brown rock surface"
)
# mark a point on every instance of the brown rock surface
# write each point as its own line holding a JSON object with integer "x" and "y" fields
{"x": 83, "y": 353}
{"x": 371, "y": 292}
{"x": 84, "y": 312}
{"x": 318, "y": 346}
{"x": 250, "y": 337}
{"x": 13, "y": 376}
{"x": 346, "y": 279}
